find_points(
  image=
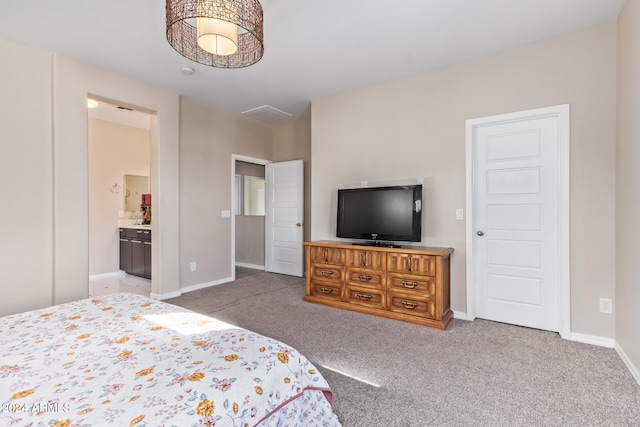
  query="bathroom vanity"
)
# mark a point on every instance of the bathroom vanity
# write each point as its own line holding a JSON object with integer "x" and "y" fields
{"x": 135, "y": 250}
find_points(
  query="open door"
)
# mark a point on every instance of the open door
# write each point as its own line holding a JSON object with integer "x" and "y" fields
{"x": 284, "y": 218}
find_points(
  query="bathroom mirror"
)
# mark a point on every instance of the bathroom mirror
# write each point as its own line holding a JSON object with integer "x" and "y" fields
{"x": 254, "y": 200}
{"x": 134, "y": 187}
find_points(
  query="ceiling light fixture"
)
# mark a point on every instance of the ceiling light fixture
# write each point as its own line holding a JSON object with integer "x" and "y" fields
{"x": 217, "y": 33}
{"x": 92, "y": 103}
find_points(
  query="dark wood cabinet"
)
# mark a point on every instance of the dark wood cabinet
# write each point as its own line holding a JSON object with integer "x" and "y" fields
{"x": 135, "y": 252}
{"x": 125, "y": 252}
{"x": 147, "y": 257}
{"x": 137, "y": 258}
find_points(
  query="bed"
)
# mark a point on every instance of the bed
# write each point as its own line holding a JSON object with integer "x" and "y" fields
{"x": 128, "y": 360}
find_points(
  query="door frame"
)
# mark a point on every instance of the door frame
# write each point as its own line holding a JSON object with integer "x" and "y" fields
{"x": 246, "y": 159}
{"x": 562, "y": 112}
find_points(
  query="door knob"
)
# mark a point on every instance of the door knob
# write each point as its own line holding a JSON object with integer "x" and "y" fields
{"x": 480, "y": 233}
{"x": 298, "y": 224}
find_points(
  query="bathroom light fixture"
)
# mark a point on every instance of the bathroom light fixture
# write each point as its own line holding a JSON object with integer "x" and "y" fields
{"x": 217, "y": 33}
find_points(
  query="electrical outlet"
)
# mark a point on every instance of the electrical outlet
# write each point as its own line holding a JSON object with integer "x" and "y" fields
{"x": 193, "y": 266}
{"x": 606, "y": 305}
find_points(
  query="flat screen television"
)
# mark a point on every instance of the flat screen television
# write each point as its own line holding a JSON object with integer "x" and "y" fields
{"x": 380, "y": 213}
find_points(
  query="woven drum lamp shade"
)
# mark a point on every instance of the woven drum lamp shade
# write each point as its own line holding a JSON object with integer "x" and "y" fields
{"x": 213, "y": 20}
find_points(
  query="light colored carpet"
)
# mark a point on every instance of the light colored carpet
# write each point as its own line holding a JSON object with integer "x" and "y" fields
{"x": 389, "y": 373}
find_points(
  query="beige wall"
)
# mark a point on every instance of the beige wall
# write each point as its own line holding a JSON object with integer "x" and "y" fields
{"x": 208, "y": 139}
{"x": 73, "y": 80}
{"x": 250, "y": 242}
{"x": 627, "y": 298}
{"x": 44, "y": 137}
{"x": 414, "y": 127}
{"x": 115, "y": 150}
{"x": 293, "y": 142}
{"x": 26, "y": 264}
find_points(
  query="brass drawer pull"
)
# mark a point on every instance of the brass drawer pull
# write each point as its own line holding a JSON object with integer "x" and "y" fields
{"x": 409, "y": 304}
{"x": 327, "y": 273}
{"x": 408, "y": 284}
{"x": 326, "y": 290}
{"x": 364, "y": 278}
{"x": 364, "y": 297}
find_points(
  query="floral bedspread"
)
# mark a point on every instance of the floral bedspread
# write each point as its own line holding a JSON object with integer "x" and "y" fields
{"x": 128, "y": 360}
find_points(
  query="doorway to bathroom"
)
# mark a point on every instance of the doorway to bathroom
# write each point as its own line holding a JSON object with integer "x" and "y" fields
{"x": 119, "y": 173}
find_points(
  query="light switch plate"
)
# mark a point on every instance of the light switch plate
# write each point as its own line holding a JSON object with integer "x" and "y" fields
{"x": 225, "y": 213}
{"x": 459, "y": 214}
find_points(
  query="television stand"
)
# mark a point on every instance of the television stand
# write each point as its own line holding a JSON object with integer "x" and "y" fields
{"x": 377, "y": 244}
{"x": 409, "y": 283}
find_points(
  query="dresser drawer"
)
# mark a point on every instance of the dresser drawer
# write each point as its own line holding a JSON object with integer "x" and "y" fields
{"x": 410, "y": 263}
{"x": 367, "y": 259}
{"x": 368, "y": 278}
{"x": 415, "y": 285}
{"x": 365, "y": 296}
{"x": 326, "y": 290}
{"x": 326, "y": 255}
{"x": 327, "y": 273}
{"x": 409, "y": 304}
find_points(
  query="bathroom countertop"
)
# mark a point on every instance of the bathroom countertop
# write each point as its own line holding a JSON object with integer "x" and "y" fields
{"x": 136, "y": 227}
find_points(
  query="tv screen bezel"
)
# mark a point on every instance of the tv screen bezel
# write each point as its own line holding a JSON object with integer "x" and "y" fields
{"x": 416, "y": 225}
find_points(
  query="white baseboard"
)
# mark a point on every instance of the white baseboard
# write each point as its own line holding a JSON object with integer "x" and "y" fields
{"x": 112, "y": 275}
{"x": 460, "y": 315}
{"x": 573, "y": 336}
{"x": 253, "y": 266}
{"x": 635, "y": 372}
{"x": 190, "y": 289}
{"x": 592, "y": 339}
{"x": 165, "y": 296}
{"x": 205, "y": 285}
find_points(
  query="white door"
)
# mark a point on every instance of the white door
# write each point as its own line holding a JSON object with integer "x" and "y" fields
{"x": 284, "y": 218}
{"x": 516, "y": 219}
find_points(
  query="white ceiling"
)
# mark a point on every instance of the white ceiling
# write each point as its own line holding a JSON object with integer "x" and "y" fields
{"x": 313, "y": 48}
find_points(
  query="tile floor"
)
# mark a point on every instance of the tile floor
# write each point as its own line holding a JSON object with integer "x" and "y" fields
{"x": 126, "y": 283}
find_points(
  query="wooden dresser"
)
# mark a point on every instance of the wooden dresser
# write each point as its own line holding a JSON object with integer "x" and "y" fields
{"x": 409, "y": 283}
